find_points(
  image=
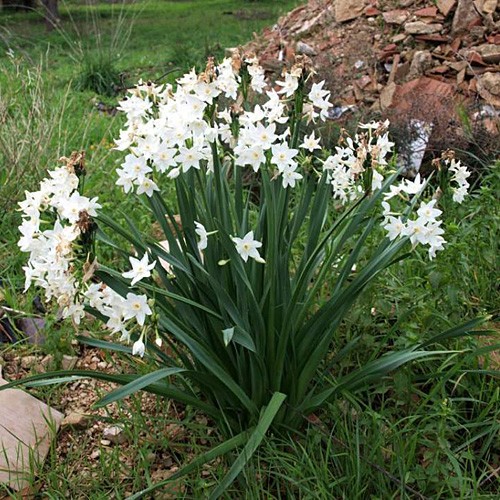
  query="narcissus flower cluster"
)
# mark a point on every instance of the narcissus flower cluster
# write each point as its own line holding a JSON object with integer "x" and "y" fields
{"x": 174, "y": 132}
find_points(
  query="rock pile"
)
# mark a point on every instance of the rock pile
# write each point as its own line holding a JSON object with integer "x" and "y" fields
{"x": 396, "y": 57}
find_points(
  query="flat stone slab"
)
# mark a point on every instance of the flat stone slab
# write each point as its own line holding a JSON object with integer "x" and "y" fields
{"x": 26, "y": 428}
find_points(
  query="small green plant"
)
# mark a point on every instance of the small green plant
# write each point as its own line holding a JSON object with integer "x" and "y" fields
{"x": 96, "y": 44}
{"x": 98, "y": 75}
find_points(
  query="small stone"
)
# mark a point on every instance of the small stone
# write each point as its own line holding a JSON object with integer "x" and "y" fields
{"x": 28, "y": 362}
{"x": 76, "y": 420}
{"x": 426, "y": 12}
{"x": 445, "y": 6}
{"x": 305, "y": 49}
{"x": 387, "y": 96}
{"x": 400, "y": 37}
{"x": 488, "y": 87}
{"x": 33, "y": 328}
{"x": 102, "y": 365}
{"x": 47, "y": 361}
{"x": 465, "y": 15}
{"x": 114, "y": 434}
{"x": 348, "y": 9}
{"x": 95, "y": 454}
{"x": 487, "y": 6}
{"x": 310, "y": 26}
{"x": 421, "y": 62}
{"x": 364, "y": 81}
{"x": 421, "y": 28}
{"x": 489, "y": 52}
{"x": 105, "y": 442}
{"x": 68, "y": 362}
{"x": 371, "y": 11}
{"x": 397, "y": 16}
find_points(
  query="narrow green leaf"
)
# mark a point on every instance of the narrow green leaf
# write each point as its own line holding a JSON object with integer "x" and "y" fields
{"x": 253, "y": 443}
{"x": 218, "y": 451}
{"x": 138, "y": 384}
{"x": 210, "y": 361}
{"x": 159, "y": 389}
{"x": 102, "y": 344}
{"x": 363, "y": 377}
{"x": 52, "y": 381}
{"x": 458, "y": 331}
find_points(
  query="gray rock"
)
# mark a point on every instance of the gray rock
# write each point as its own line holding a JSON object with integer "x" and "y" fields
{"x": 33, "y": 328}
{"x": 68, "y": 362}
{"x": 114, "y": 434}
{"x": 76, "y": 420}
{"x": 465, "y": 14}
{"x": 421, "y": 28}
{"x": 489, "y": 52}
{"x": 398, "y": 16}
{"x": 346, "y": 10}
{"x": 28, "y": 362}
{"x": 305, "y": 49}
{"x": 421, "y": 62}
{"x": 488, "y": 87}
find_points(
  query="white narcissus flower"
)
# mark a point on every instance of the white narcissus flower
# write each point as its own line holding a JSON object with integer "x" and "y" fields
{"x": 136, "y": 306}
{"x": 377, "y": 180}
{"x": 135, "y": 107}
{"x": 460, "y": 176}
{"x": 310, "y": 143}
{"x": 189, "y": 158}
{"x": 283, "y": 156}
{"x": 394, "y": 226}
{"x": 203, "y": 235}
{"x": 139, "y": 348}
{"x": 427, "y": 212}
{"x": 247, "y": 247}
{"x": 317, "y": 95}
{"x": 289, "y": 177}
{"x": 289, "y": 85}
{"x": 75, "y": 311}
{"x": 459, "y": 194}
{"x": 135, "y": 167}
{"x": 147, "y": 186}
{"x": 140, "y": 269}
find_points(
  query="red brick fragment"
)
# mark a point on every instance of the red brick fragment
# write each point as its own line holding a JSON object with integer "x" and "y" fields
{"x": 432, "y": 38}
{"x": 426, "y": 12}
{"x": 371, "y": 11}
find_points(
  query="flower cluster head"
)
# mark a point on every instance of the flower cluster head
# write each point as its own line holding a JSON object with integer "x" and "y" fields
{"x": 367, "y": 151}
{"x": 172, "y": 132}
{"x": 55, "y": 218}
{"x": 460, "y": 174}
{"x": 426, "y": 228}
{"x": 51, "y": 247}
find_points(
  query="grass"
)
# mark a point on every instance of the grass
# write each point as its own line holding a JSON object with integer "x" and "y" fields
{"x": 431, "y": 431}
